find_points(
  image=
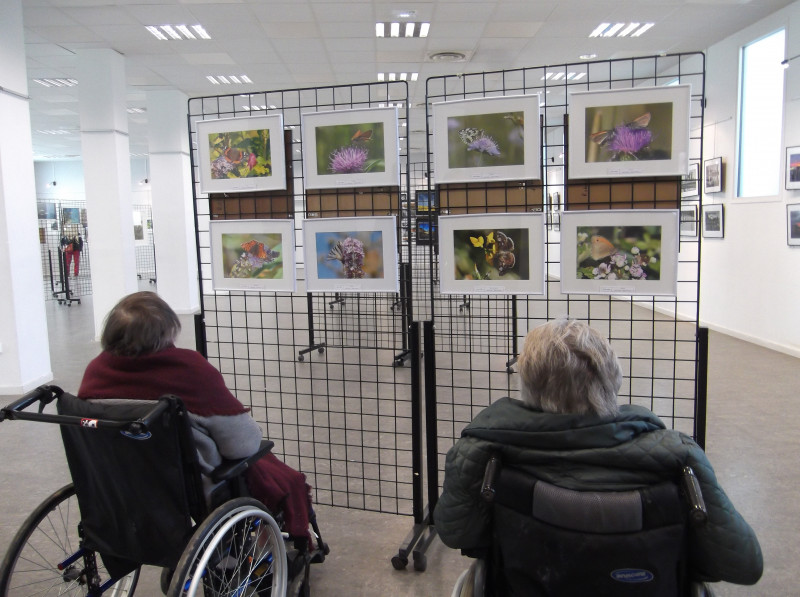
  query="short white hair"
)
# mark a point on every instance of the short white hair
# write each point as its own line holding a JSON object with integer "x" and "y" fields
{"x": 568, "y": 367}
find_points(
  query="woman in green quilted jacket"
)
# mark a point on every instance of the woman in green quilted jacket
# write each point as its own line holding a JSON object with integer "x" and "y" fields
{"x": 569, "y": 431}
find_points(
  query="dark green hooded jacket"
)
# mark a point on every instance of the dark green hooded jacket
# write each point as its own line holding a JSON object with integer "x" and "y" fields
{"x": 586, "y": 452}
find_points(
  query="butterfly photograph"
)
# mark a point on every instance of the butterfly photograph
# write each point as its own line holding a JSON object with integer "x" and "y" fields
{"x": 241, "y": 154}
{"x": 350, "y": 148}
{"x": 495, "y": 138}
{"x": 351, "y": 254}
{"x": 492, "y": 253}
{"x": 631, "y": 132}
{"x": 619, "y": 251}
{"x": 252, "y": 254}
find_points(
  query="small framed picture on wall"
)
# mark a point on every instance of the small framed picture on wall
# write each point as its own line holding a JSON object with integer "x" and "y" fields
{"x": 793, "y": 224}
{"x": 793, "y": 168}
{"x": 712, "y": 175}
{"x": 713, "y": 221}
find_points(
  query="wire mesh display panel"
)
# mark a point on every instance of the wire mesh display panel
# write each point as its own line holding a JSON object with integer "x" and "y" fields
{"x": 327, "y": 375}
{"x": 64, "y": 244}
{"x": 143, "y": 243}
{"x": 477, "y": 338}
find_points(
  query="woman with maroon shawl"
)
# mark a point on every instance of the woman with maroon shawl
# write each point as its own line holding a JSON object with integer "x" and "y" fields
{"x": 140, "y": 361}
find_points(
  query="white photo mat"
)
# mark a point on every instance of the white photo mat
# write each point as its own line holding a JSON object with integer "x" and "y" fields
{"x": 499, "y": 254}
{"x": 338, "y": 248}
{"x": 486, "y": 139}
{"x": 611, "y": 123}
{"x": 254, "y": 255}
{"x": 350, "y": 139}
{"x": 629, "y": 243}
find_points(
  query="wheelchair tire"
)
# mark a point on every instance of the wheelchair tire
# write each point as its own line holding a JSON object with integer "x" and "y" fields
{"x": 237, "y": 550}
{"x": 47, "y": 538}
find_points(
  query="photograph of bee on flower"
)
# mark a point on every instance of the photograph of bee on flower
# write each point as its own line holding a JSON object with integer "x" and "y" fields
{"x": 240, "y": 154}
{"x": 629, "y": 132}
{"x": 350, "y": 148}
{"x": 491, "y": 254}
{"x": 619, "y": 252}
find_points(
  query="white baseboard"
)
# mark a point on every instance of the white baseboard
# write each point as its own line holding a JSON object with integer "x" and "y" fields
{"x": 26, "y": 387}
{"x": 790, "y": 350}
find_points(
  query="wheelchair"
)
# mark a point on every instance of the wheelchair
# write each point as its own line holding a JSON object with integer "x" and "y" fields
{"x": 137, "y": 498}
{"x": 548, "y": 540}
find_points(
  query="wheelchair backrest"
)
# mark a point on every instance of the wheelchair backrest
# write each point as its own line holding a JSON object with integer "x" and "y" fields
{"x": 137, "y": 492}
{"x": 548, "y": 540}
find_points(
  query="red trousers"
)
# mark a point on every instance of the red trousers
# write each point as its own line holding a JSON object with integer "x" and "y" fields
{"x": 68, "y": 257}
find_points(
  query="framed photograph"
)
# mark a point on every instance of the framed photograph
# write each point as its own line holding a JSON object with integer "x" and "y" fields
{"x": 351, "y": 254}
{"x": 629, "y": 132}
{"x": 689, "y": 221}
{"x": 351, "y": 148}
{"x": 427, "y": 231}
{"x": 495, "y": 138}
{"x": 712, "y": 175}
{"x": 253, "y": 255}
{"x": 46, "y": 210}
{"x": 70, "y": 215}
{"x": 427, "y": 201}
{"x": 491, "y": 254}
{"x": 690, "y": 184}
{"x": 622, "y": 252}
{"x": 241, "y": 154}
{"x": 793, "y": 224}
{"x": 713, "y": 221}
{"x": 792, "y": 168}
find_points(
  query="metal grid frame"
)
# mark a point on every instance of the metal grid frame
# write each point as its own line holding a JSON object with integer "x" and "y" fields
{"x": 477, "y": 338}
{"x": 327, "y": 375}
{"x": 57, "y": 220}
{"x": 145, "y": 247}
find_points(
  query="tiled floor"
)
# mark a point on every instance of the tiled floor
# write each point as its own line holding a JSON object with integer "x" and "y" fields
{"x": 751, "y": 440}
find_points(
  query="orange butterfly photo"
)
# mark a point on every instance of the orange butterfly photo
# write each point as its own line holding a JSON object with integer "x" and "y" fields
{"x": 250, "y": 254}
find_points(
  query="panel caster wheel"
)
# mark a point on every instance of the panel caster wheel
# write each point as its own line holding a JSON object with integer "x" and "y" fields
{"x": 320, "y": 350}
{"x": 399, "y": 562}
{"x": 301, "y": 358}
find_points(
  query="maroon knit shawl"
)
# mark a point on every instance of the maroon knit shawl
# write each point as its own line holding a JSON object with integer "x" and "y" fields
{"x": 184, "y": 373}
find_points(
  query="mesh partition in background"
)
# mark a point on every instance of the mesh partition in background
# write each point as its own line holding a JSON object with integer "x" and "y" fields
{"x": 144, "y": 245}
{"x": 477, "y": 338}
{"x": 60, "y": 222}
{"x": 327, "y": 375}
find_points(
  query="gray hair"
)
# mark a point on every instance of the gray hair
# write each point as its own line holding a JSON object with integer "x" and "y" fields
{"x": 141, "y": 323}
{"x": 567, "y": 367}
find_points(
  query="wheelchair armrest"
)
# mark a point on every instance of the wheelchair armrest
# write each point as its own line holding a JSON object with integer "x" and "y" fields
{"x": 233, "y": 468}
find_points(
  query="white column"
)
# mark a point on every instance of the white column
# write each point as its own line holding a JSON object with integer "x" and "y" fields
{"x": 171, "y": 192}
{"x": 24, "y": 349}
{"x": 106, "y": 167}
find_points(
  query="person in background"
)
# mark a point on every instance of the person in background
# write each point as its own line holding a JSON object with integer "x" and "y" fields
{"x": 140, "y": 361}
{"x": 569, "y": 431}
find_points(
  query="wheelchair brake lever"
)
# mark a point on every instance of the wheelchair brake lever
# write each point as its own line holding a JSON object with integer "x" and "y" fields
{"x": 691, "y": 489}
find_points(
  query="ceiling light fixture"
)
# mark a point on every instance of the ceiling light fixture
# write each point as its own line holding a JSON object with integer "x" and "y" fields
{"x": 571, "y": 76}
{"x": 410, "y": 29}
{"x": 56, "y": 82}
{"x": 229, "y": 79}
{"x": 177, "y": 32}
{"x": 587, "y": 56}
{"x": 398, "y": 76}
{"x": 620, "y": 29}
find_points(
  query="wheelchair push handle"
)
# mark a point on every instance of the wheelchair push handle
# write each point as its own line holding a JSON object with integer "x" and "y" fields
{"x": 43, "y": 395}
{"x": 489, "y": 474}
{"x": 694, "y": 496}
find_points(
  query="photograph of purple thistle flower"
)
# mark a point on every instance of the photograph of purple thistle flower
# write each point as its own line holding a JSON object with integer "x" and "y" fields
{"x": 484, "y": 144}
{"x": 631, "y": 132}
{"x": 348, "y": 160}
{"x": 350, "y": 255}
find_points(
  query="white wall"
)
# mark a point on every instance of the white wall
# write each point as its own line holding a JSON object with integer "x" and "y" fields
{"x": 750, "y": 279}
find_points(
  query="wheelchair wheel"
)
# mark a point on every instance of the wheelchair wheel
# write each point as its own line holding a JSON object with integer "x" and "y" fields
{"x": 238, "y": 550}
{"x": 47, "y": 540}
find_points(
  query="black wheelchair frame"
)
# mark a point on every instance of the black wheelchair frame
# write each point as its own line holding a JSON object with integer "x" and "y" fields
{"x": 236, "y": 547}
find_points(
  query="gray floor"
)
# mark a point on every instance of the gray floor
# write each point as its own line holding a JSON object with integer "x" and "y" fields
{"x": 751, "y": 441}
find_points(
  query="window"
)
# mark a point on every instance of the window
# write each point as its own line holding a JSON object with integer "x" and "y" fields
{"x": 761, "y": 116}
